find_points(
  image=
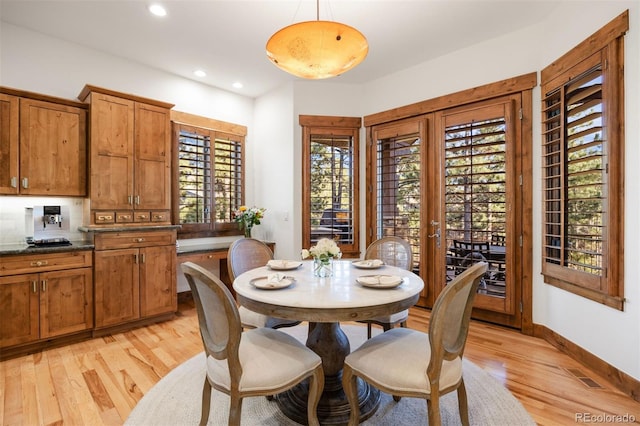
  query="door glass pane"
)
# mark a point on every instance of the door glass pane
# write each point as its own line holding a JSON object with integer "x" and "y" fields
{"x": 398, "y": 190}
{"x": 475, "y": 200}
{"x": 332, "y": 188}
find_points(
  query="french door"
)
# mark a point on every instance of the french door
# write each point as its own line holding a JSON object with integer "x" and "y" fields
{"x": 450, "y": 183}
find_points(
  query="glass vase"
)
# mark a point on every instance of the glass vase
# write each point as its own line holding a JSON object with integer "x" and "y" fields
{"x": 322, "y": 268}
{"x": 247, "y": 231}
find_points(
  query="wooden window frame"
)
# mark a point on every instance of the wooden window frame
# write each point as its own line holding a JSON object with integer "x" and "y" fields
{"x": 338, "y": 126}
{"x": 605, "y": 48}
{"x": 215, "y": 130}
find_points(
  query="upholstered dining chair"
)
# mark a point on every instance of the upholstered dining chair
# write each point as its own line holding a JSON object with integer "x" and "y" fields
{"x": 425, "y": 365}
{"x": 393, "y": 251}
{"x": 256, "y": 362}
{"x": 245, "y": 254}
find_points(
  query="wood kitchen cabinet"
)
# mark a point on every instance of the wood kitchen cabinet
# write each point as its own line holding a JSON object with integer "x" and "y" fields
{"x": 43, "y": 145}
{"x": 130, "y": 157}
{"x": 135, "y": 276}
{"x": 43, "y": 296}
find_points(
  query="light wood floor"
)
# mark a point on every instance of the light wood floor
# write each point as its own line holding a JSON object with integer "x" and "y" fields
{"x": 98, "y": 382}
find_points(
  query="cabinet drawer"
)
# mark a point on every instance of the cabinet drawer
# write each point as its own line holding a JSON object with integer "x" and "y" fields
{"x": 104, "y": 217}
{"x": 116, "y": 240}
{"x": 29, "y": 263}
{"x": 160, "y": 216}
{"x": 124, "y": 217}
{"x": 142, "y": 217}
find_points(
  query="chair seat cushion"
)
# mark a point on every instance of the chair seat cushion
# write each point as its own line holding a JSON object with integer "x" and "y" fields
{"x": 251, "y": 319}
{"x": 393, "y": 359}
{"x": 269, "y": 358}
{"x": 393, "y": 318}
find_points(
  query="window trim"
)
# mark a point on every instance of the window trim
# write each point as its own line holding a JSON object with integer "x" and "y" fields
{"x": 340, "y": 126}
{"x": 609, "y": 43}
{"x": 213, "y": 127}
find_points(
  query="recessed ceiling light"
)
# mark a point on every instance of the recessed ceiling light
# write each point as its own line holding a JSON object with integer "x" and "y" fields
{"x": 200, "y": 73}
{"x": 157, "y": 10}
{"x": 238, "y": 85}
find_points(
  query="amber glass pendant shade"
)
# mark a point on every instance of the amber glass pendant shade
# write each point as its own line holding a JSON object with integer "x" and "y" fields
{"x": 317, "y": 49}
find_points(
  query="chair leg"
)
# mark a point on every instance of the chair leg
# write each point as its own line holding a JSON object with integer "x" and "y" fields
{"x": 403, "y": 324}
{"x": 316, "y": 385}
{"x": 368, "y": 330}
{"x": 433, "y": 408}
{"x": 206, "y": 402}
{"x": 235, "y": 410}
{"x": 350, "y": 386}
{"x": 463, "y": 406}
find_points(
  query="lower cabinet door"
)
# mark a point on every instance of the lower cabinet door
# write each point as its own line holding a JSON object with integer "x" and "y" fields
{"x": 158, "y": 294}
{"x": 19, "y": 309}
{"x": 117, "y": 290}
{"x": 66, "y": 302}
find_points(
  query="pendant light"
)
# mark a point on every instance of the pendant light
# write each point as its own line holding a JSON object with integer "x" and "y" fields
{"x": 317, "y": 49}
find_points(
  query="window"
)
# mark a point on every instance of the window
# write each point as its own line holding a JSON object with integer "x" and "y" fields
{"x": 330, "y": 176}
{"x": 210, "y": 181}
{"x": 583, "y": 167}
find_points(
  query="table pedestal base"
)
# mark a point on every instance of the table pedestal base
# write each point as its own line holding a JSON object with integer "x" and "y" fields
{"x": 332, "y": 345}
{"x": 333, "y": 408}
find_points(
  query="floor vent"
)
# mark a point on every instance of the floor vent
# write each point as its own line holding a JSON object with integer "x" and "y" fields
{"x": 586, "y": 380}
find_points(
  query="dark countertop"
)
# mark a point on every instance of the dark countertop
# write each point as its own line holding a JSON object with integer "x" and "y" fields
{"x": 24, "y": 248}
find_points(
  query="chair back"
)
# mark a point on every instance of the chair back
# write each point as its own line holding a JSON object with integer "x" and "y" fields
{"x": 218, "y": 316}
{"x": 392, "y": 250}
{"x": 450, "y": 316}
{"x": 245, "y": 254}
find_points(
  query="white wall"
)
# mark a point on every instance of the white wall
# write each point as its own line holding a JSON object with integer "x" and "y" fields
{"x": 32, "y": 62}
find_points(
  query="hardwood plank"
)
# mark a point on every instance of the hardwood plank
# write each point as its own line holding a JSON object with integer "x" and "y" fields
{"x": 49, "y": 408}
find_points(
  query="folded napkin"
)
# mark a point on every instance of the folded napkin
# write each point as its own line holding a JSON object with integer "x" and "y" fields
{"x": 380, "y": 280}
{"x": 371, "y": 262}
{"x": 275, "y": 278}
{"x": 282, "y": 264}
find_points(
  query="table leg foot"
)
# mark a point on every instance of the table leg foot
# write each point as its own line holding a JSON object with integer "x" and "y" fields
{"x": 333, "y": 408}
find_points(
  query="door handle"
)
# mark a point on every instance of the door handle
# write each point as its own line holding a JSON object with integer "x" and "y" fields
{"x": 436, "y": 233}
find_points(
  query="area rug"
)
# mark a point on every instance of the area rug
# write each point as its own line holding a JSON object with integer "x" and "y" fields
{"x": 176, "y": 399}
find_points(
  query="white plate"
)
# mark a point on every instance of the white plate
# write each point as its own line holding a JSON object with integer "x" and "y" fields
{"x": 283, "y": 265}
{"x": 380, "y": 281}
{"x": 266, "y": 283}
{"x": 368, "y": 264}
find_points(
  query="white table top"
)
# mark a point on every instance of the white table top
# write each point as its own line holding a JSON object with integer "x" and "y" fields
{"x": 337, "y": 298}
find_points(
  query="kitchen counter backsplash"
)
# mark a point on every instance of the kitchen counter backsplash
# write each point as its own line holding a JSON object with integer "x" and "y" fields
{"x": 13, "y": 228}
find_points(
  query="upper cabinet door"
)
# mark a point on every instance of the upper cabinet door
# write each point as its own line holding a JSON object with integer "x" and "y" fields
{"x": 9, "y": 126}
{"x": 152, "y": 157}
{"x": 112, "y": 136}
{"x": 53, "y": 149}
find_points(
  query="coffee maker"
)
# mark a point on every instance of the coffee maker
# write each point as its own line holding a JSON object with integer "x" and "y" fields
{"x": 47, "y": 225}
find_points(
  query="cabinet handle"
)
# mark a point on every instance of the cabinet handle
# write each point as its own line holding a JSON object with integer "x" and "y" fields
{"x": 130, "y": 199}
{"x": 158, "y": 216}
{"x": 138, "y": 240}
{"x": 44, "y": 286}
{"x": 135, "y": 256}
{"x": 35, "y": 286}
{"x": 142, "y": 257}
{"x": 137, "y": 200}
{"x": 14, "y": 182}
{"x": 104, "y": 218}
{"x": 39, "y": 263}
{"x": 25, "y": 182}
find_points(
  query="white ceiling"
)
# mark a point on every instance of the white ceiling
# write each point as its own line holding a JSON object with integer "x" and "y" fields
{"x": 227, "y": 38}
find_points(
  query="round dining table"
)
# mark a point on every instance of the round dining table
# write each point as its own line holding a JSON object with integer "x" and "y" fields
{"x": 350, "y": 294}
